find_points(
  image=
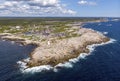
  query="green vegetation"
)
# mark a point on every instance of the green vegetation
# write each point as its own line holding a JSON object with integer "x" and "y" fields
{"x": 41, "y": 28}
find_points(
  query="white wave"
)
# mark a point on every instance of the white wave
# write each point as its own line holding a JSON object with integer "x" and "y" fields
{"x": 12, "y": 42}
{"x": 69, "y": 64}
{"x": 25, "y": 69}
{"x": 115, "y": 19}
{"x": 38, "y": 69}
{"x": 66, "y": 64}
{"x": 22, "y": 65}
{"x": 105, "y": 33}
{"x": 27, "y": 60}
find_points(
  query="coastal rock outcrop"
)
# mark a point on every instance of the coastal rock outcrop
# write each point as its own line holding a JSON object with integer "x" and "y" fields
{"x": 55, "y": 51}
{"x": 65, "y": 49}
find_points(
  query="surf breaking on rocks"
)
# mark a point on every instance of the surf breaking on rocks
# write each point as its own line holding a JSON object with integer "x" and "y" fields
{"x": 69, "y": 64}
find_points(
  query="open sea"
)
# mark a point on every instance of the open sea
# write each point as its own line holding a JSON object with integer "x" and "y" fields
{"x": 103, "y": 64}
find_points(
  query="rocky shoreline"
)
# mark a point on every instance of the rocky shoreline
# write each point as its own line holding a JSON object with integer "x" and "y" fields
{"x": 53, "y": 52}
{"x": 63, "y": 50}
{"x": 17, "y": 39}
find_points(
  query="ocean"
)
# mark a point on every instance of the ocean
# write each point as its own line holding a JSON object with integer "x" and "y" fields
{"x": 102, "y": 64}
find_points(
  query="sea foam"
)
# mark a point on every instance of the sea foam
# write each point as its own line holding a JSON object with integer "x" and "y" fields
{"x": 105, "y": 33}
{"x": 69, "y": 64}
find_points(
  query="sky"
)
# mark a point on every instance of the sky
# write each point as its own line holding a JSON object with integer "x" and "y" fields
{"x": 60, "y": 8}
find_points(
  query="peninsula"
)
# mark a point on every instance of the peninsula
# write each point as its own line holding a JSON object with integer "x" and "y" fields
{"x": 57, "y": 40}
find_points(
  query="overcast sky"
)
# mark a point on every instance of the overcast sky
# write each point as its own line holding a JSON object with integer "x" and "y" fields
{"x": 45, "y": 8}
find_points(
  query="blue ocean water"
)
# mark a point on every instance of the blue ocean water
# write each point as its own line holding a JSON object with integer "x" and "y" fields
{"x": 102, "y": 65}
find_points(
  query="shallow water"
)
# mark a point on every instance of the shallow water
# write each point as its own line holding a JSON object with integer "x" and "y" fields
{"x": 102, "y": 65}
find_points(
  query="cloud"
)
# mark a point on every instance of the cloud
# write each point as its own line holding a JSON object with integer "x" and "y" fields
{"x": 85, "y": 2}
{"x": 34, "y": 7}
{"x": 44, "y": 2}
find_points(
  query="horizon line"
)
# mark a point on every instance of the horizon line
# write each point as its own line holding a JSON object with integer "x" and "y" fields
{"x": 58, "y": 17}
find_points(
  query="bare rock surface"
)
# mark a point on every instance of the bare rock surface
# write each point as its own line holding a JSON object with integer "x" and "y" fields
{"x": 65, "y": 49}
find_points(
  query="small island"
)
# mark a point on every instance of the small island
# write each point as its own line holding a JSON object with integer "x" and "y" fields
{"x": 57, "y": 40}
